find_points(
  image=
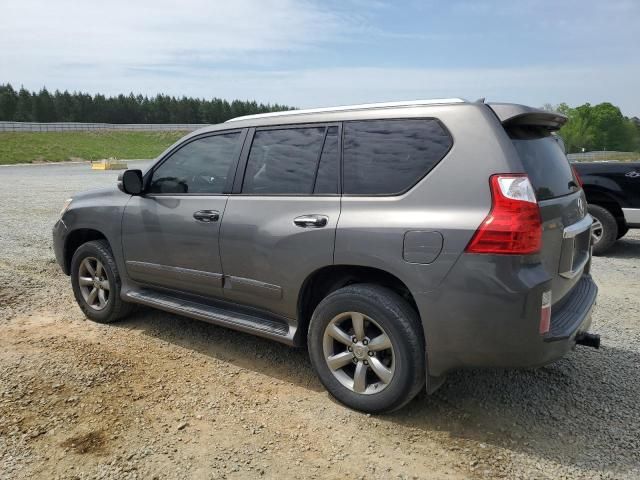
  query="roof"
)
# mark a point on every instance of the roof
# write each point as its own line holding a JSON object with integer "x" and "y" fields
{"x": 346, "y": 108}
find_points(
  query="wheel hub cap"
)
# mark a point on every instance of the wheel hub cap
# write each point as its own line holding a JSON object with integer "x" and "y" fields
{"x": 361, "y": 352}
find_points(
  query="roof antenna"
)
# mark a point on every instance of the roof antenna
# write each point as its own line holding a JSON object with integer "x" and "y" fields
{"x": 480, "y": 100}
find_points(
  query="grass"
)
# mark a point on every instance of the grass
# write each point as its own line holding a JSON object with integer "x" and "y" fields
{"x": 621, "y": 156}
{"x": 30, "y": 147}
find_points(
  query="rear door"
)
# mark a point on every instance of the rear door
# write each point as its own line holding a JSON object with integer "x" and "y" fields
{"x": 566, "y": 247}
{"x": 628, "y": 177}
{"x": 280, "y": 223}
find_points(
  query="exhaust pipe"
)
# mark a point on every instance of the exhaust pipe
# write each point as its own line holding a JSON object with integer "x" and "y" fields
{"x": 588, "y": 340}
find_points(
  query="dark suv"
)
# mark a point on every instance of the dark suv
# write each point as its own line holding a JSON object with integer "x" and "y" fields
{"x": 398, "y": 241}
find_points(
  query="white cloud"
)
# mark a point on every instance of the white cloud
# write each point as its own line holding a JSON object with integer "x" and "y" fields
{"x": 194, "y": 48}
{"x": 125, "y": 33}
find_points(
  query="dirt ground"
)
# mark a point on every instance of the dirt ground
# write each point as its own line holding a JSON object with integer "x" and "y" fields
{"x": 160, "y": 396}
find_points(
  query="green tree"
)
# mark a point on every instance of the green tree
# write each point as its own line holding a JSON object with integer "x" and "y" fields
{"x": 24, "y": 107}
{"x": 44, "y": 109}
{"x": 82, "y": 107}
{"x": 598, "y": 127}
{"x": 578, "y": 133}
{"x": 8, "y": 102}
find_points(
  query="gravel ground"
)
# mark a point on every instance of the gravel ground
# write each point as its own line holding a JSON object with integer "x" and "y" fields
{"x": 159, "y": 396}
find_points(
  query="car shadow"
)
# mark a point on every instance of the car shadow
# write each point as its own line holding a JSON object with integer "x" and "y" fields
{"x": 569, "y": 412}
{"x": 627, "y": 247}
{"x": 243, "y": 350}
{"x": 534, "y": 411}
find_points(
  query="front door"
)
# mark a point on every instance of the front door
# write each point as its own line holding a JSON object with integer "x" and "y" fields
{"x": 280, "y": 225}
{"x": 170, "y": 234}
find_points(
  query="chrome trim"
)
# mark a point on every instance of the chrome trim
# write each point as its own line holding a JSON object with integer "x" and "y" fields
{"x": 253, "y": 287}
{"x": 578, "y": 227}
{"x": 312, "y": 221}
{"x": 632, "y": 215}
{"x": 347, "y": 108}
{"x": 166, "y": 268}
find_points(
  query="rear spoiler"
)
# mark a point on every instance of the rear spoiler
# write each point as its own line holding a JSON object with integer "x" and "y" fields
{"x": 511, "y": 114}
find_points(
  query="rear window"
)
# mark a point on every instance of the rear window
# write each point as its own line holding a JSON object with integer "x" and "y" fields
{"x": 387, "y": 157}
{"x": 544, "y": 162}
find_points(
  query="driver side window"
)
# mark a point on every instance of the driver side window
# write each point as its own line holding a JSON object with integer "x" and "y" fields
{"x": 201, "y": 166}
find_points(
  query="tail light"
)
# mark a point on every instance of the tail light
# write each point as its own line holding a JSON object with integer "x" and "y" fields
{"x": 577, "y": 176}
{"x": 513, "y": 226}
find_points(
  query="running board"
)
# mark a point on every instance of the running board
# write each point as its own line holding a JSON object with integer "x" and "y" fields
{"x": 263, "y": 326}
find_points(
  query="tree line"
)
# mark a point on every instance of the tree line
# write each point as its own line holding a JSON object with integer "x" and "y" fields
{"x": 598, "y": 127}
{"x": 590, "y": 127}
{"x": 44, "y": 106}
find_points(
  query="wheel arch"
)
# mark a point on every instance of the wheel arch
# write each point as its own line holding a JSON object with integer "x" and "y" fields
{"x": 325, "y": 280}
{"x": 606, "y": 201}
{"x": 75, "y": 239}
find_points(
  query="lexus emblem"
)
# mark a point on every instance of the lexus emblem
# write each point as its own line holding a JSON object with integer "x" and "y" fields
{"x": 581, "y": 206}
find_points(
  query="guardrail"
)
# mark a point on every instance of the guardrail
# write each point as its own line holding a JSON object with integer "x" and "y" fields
{"x": 80, "y": 126}
{"x": 602, "y": 155}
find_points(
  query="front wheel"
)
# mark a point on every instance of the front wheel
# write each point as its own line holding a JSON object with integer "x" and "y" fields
{"x": 96, "y": 283}
{"x": 367, "y": 346}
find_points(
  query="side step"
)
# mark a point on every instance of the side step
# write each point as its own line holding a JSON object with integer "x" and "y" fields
{"x": 263, "y": 326}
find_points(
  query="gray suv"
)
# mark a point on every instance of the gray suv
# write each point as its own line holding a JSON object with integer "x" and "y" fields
{"x": 398, "y": 241}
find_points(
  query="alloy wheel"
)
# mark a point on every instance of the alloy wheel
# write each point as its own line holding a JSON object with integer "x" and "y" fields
{"x": 94, "y": 283}
{"x": 596, "y": 230}
{"x": 359, "y": 353}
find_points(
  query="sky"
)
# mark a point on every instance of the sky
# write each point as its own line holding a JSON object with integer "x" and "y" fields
{"x": 309, "y": 53}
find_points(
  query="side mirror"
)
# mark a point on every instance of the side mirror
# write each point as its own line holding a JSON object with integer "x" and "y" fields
{"x": 130, "y": 181}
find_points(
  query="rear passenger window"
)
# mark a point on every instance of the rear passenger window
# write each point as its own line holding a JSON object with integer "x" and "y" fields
{"x": 283, "y": 161}
{"x": 386, "y": 157}
{"x": 327, "y": 178}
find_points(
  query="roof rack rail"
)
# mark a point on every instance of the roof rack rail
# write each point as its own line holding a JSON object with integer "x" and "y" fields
{"x": 346, "y": 108}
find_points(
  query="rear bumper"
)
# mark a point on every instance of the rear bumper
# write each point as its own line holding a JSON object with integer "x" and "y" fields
{"x": 572, "y": 315}
{"x": 488, "y": 315}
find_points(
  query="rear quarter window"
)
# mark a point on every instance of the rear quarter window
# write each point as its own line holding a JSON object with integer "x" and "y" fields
{"x": 544, "y": 161}
{"x": 387, "y": 157}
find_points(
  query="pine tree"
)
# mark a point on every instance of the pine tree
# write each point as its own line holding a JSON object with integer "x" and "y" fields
{"x": 81, "y": 107}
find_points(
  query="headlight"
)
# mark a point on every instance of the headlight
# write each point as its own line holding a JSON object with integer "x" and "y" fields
{"x": 65, "y": 207}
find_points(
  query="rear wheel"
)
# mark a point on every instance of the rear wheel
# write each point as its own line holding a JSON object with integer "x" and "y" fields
{"x": 366, "y": 345}
{"x": 604, "y": 231}
{"x": 622, "y": 231}
{"x": 96, "y": 283}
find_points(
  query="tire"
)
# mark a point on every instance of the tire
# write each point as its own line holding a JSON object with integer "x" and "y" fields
{"x": 112, "y": 308}
{"x": 605, "y": 223}
{"x": 383, "y": 312}
{"x": 622, "y": 231}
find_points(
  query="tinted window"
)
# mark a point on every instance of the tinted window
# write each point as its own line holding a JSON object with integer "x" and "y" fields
{"x": 544, "y": 162}
{"x": 390, "y": 156}
{"x": 283, "y": 161}
{"x": 327, "y": 178}
{"x": 201, "y": 166}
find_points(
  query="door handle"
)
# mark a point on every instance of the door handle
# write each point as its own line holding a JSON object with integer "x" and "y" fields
{"x": 206, "y": 216}
{"x": 311, "y": 221}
